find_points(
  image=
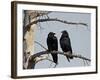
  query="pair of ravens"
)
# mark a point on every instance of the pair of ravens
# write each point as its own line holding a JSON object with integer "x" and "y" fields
{"x": 65, "y": 44}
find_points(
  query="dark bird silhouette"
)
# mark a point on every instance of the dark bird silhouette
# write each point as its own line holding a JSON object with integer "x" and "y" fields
{"x": 52, "y": 44}
{"x": 66, "y": 44}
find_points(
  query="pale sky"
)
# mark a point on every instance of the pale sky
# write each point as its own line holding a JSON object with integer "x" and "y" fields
{"x": 80, "y": 37}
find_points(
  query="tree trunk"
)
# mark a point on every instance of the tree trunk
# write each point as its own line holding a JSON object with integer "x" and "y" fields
{"x": 28, "y": 36}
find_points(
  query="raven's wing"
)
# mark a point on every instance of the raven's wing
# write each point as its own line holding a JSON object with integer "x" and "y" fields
{"x": 52, "y": 43}
{"x": 70, "y": 48}
{"x": 55, "y": 47}
{"x": 65, "y": 44}
{"x": 55, "y": 43}
{"x": 69, "y": 44}
{"x": 49, "y": 44}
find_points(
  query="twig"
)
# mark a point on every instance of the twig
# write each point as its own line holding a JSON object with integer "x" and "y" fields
{"x": 55, "y": 19}
{"x": 59, "y": 52}
{"x": 50, "y": 65}
{"x": 40, "y": 45}
{"x": 84, "y": 62}
{"x": 54, "y": 52}
{"x": 39, "y": 54}
{"x": 59, "y": 20}
{"x": 38, "y": 14}
{"x": 87, "y": 63}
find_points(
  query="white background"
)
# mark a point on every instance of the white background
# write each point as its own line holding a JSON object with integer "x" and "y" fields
{"x": 5, "y": 41}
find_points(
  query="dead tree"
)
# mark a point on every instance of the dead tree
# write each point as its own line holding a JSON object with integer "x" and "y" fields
{"x": 31, "y": 19}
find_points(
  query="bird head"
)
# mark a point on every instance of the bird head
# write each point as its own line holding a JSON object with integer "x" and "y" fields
{"x": 65, "y": 33}
{"x": 51, "y": 34}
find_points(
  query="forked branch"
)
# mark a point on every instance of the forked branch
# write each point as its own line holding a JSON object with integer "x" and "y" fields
{"x": 42, "y": 54}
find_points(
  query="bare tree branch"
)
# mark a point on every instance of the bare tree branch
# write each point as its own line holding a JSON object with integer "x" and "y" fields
{"x": 40, "y": 45}
{"x": 53, "y": 19}
{"x": 39, "y": 14}
{"x": 59, "y": 52}
{"x": 32, "y": 61}
{"x": 59, "y": 20}
{"x": 39, "y": 54}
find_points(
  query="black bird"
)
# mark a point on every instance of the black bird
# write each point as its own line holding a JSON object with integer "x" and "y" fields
{"x": 52, "y": 44}
{"x": 66, "y": 44}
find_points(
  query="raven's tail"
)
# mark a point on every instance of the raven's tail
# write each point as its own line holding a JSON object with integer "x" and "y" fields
{"x": 68, "y": 58}
{"x": 71, "y": 57}
{"x": 55, "y": 58}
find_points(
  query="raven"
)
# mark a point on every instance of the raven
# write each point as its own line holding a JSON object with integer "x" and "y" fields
{"x": 52, "y": 44}
{"x": 66, "y": 44}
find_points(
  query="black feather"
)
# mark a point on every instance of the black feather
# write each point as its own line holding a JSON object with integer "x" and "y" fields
{"x": 52, "y": 44}
{"x": 65, "y": 43}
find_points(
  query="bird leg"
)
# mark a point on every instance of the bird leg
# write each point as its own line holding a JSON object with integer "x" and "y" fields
{"x": 68, "y": 55}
